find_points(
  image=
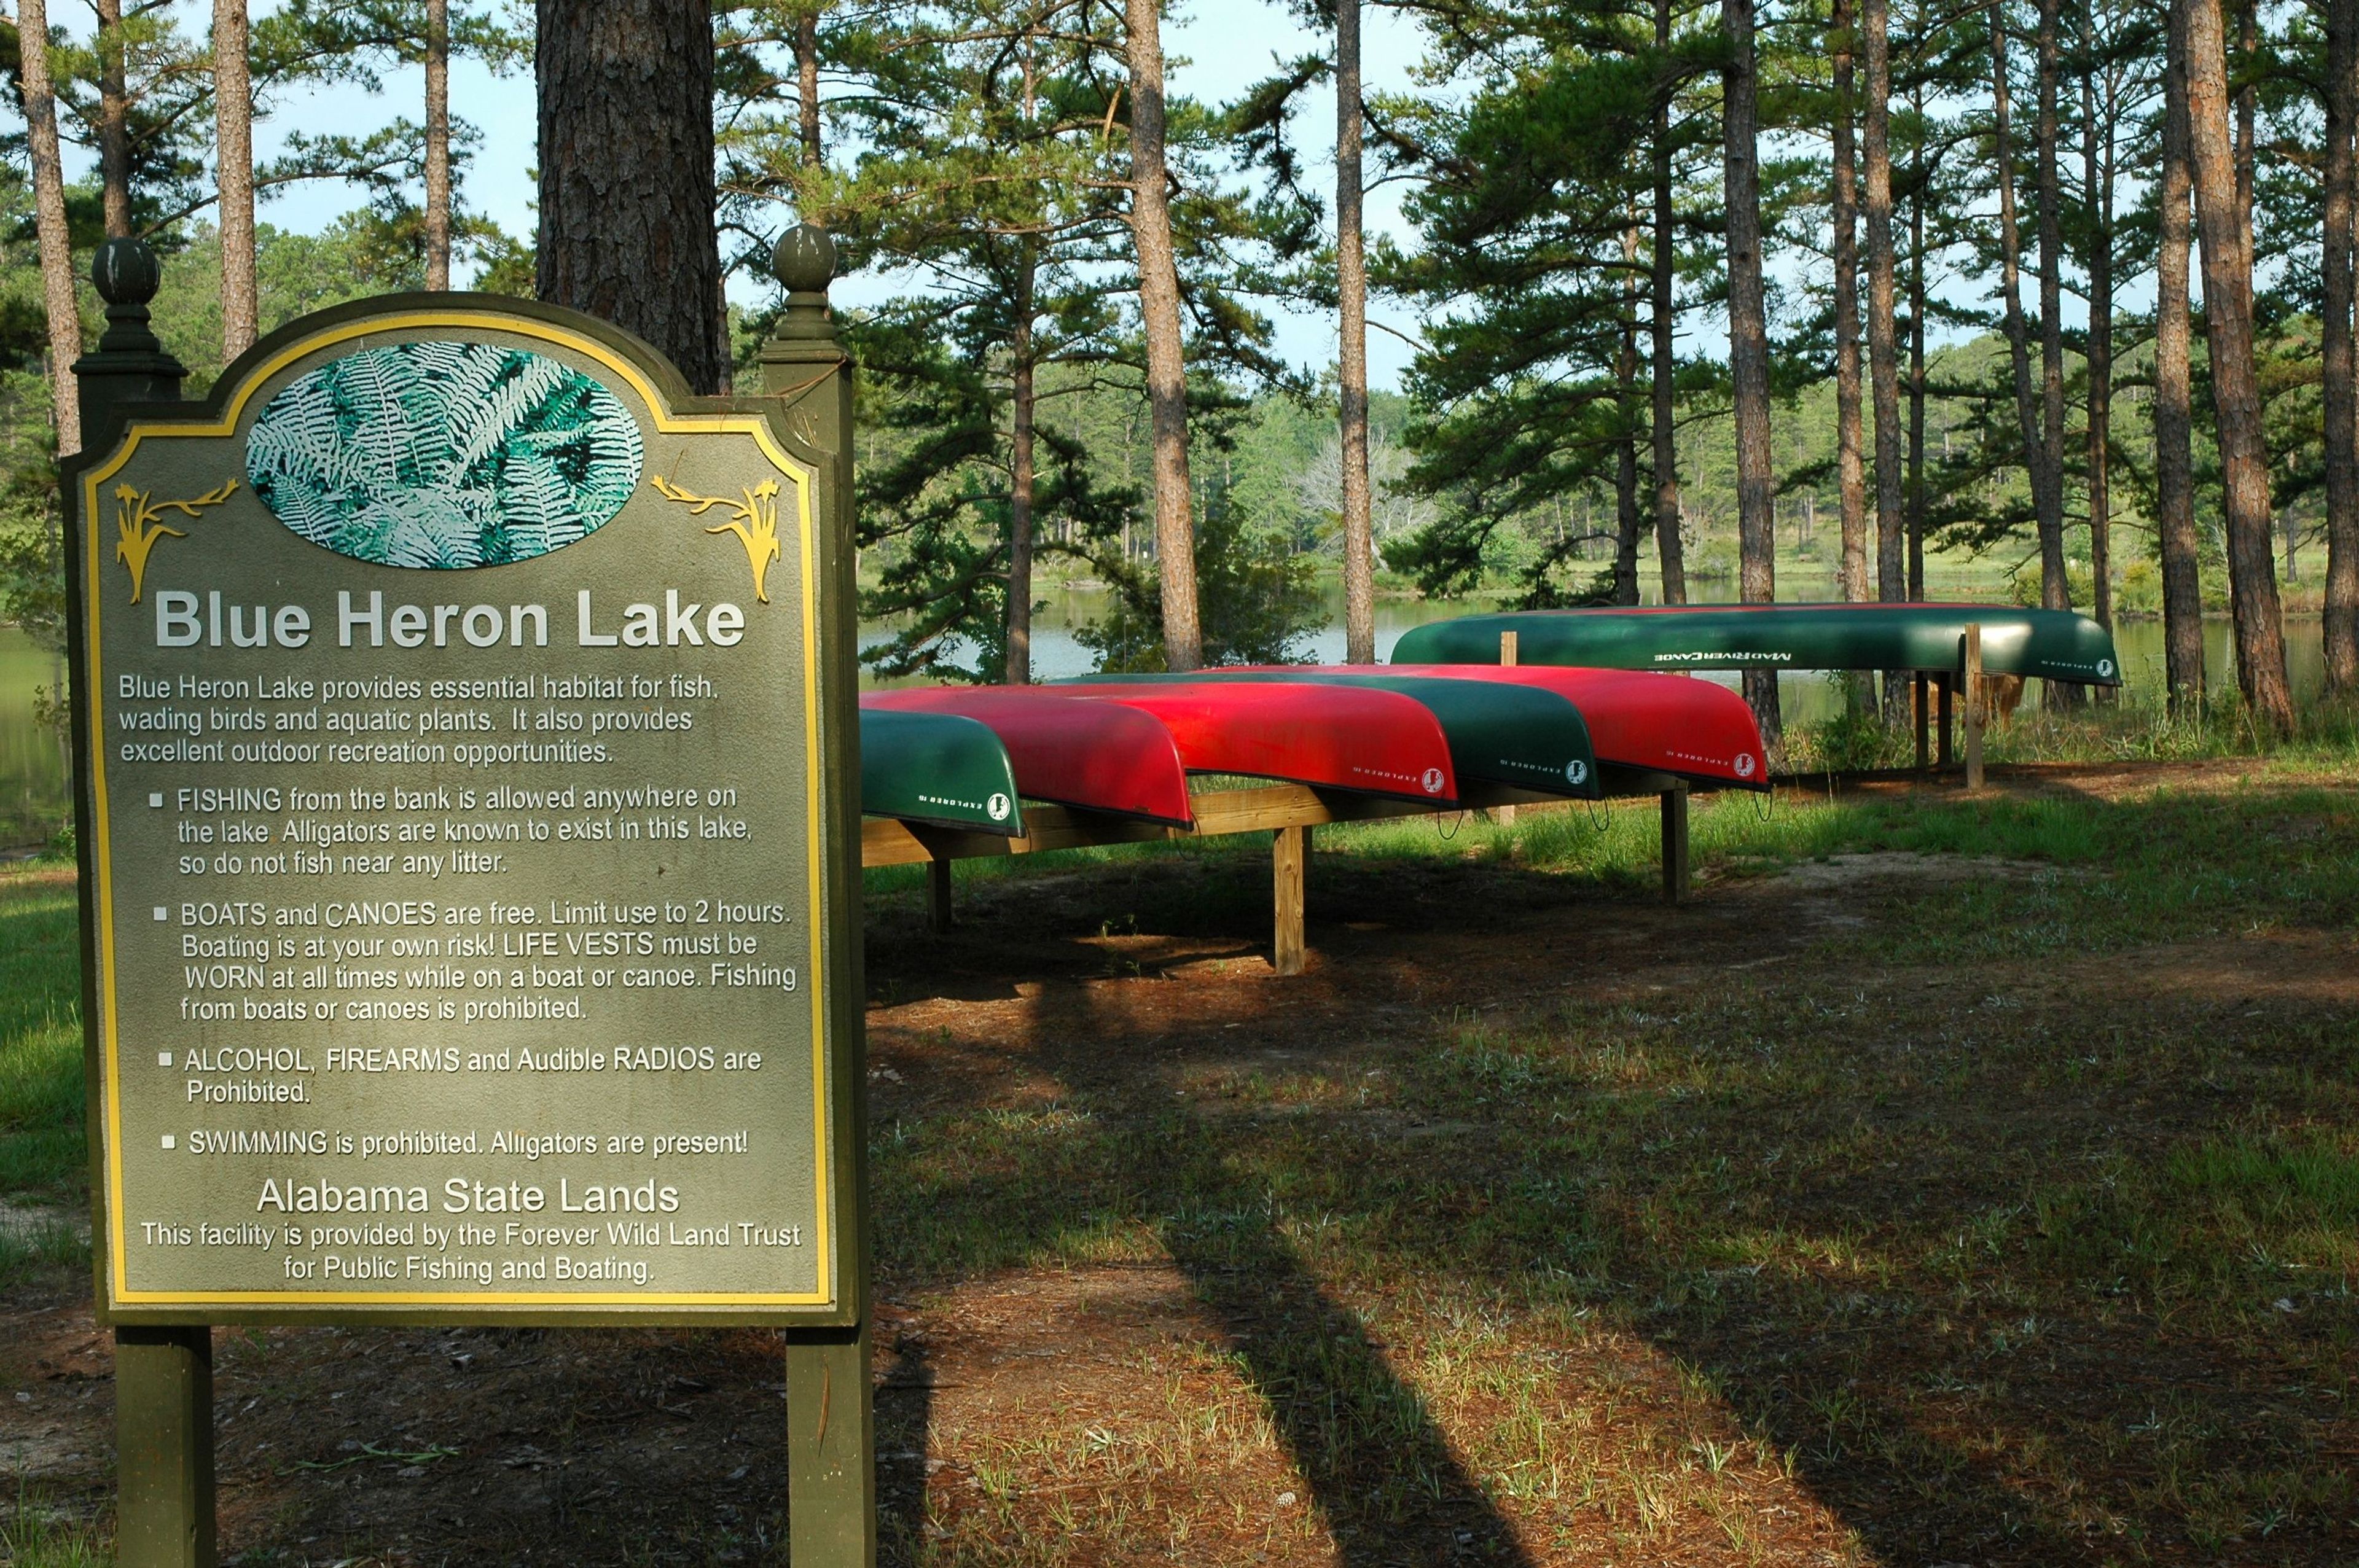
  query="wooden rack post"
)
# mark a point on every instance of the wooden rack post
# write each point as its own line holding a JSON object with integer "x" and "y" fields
{"x": 938, "y": 894}
{"x": 1290, "y": 854}
{"x": 1504, "y": 815}
{"x": 1974, "y": 715}
{"x": 1924, "y": 692}
{"x": 1675, "y": 843}
{"x": 1948, "y": 685}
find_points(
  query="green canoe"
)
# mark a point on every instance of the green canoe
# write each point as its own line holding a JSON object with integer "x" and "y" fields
{"x": 2054, "y": 645}
{"x": 1518, "y": 736}
{"x": 937, "y": 768}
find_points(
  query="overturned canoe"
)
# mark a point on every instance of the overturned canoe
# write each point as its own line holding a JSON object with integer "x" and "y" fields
{"x": 2053, "y": 644}
{"x": 1094, "y": 756}
{"x": 1653, "y": 723}
{"x": 1524, "y": 736}
{"x": 937, "y": 768}
{"x": 1373, "y": 742}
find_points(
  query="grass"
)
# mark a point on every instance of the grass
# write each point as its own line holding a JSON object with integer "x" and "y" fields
{"x": 34, "y": 1535}
{"x": 1986, "y": 1238}
{"x": 41, "y": 1137}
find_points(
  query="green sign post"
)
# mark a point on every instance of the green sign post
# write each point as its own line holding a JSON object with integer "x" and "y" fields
{"x": 466, "y": 724}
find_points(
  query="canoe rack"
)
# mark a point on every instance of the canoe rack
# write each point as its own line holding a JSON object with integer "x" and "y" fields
{"x": 1287, "y": 812}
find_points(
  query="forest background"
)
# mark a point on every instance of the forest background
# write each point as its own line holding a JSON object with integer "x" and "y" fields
{"x": 1965, "y": 311}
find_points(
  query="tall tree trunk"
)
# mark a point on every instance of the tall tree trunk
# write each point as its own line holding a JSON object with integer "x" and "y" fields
{"x": 1352, "y": 283}
{"x": 1883, "y": 348}
{"x": 2097, "y": 153}
{"x": 113, "y": 121}
{"x": 2341, "y": 362}
{"x": 1917, "y": 363}
{"x": 2055, "y": 586}
{"x": 1668, "y": 549}
{"x": 1851, "y": 476}
{"x": 1748, "y": 344}
{"x": 2248, "y": 103}
{"x": 233, "y": 175}
{"x": 2026, "y": 409}
{"x": 2235, "y": 388}
{"x": 56, "y": 237}
{"x": 807, "y": 85}
{"x": 627, "y": 178}
{"x": 1627, "y": 516}
{"x": 1020, "y": 480}
{"x": 1166, "y": 371}
{"x": 438, "y": 144}
{"x": 2174, "y": 468}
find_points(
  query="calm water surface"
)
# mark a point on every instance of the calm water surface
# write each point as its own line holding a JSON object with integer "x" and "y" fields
{"x": 33, "y": 795}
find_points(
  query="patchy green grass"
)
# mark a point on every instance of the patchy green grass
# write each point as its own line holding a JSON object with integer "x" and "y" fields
{"x": 34, "y": 1535}
{"x": 41, "y": 1136}
{"x": 2017, "y": 1218}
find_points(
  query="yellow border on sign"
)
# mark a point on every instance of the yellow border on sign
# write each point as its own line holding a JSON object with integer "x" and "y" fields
{"x": 666, "y": 423}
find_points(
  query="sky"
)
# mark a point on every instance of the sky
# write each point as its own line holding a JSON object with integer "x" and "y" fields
{"x": 1216, "y": 48}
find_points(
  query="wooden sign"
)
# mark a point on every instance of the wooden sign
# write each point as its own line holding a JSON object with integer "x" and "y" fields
{"x": 471, "y": 876}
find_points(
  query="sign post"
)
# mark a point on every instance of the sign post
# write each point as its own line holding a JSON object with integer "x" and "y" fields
{"x": 466, "y": 738}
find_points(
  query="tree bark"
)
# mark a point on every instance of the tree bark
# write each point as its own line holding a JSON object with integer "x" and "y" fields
{"x": 55, "y": 235}
{"x": 2027, "y": 411}
{"x": 807, "y": 86}
{"x": 1627, "y": 517}
{"x": 1670, "y": 550}
{"x": 2341, "y": 363}
{"x": 1352, "y": 283}
{"x": 1020, "y": 487}
{"x": 233, "y": 175}
{"x": 2097, "y": 154}
{"x": 1851, "y": 477}
{"x": 626, "y": 177}
{"x": 2235, "y": 388}
{"x": 2248, "y": 103}
{"x": 1883, "y": 348}
{"x": 1166, "y": 371}
{"x": 2174, "y": 466}
{"x": 2055, "y": 584}
{"x": 1748, "y": 344}
{"x": 1917, "y": 366}
{"x": 438, "y": 144}
{"x": 113, "y": 122}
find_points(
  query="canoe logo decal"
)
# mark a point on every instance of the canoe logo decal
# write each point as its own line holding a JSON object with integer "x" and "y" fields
{"x": 1745, "y": 764}
{"x": 2105, "y": 668}
{"x": 1432, "y": 781}
{"x": 999, "y": 806}
{"x": 1576, "y": 772}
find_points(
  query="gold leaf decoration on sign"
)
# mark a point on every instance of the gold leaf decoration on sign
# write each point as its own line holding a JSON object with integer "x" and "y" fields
{"x": 755, "y": 521}
{"x": 138, "y": 524}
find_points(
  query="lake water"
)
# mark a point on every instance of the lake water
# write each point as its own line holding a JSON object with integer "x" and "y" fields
{"x": 34, "y": 796}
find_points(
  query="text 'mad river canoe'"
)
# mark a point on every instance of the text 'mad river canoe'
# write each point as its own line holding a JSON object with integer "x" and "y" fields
{"x": 937, "y": 768}
{"x": 1097, "y": 756}
{"x": 1373, "y": 742}
{"x": 2052, "y": 644}
{"x": 1523, "y": 736}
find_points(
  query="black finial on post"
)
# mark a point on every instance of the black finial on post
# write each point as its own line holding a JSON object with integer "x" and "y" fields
{"x": 131, "y": 364}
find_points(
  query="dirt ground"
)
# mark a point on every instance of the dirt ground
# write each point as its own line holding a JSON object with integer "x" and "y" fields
{"x": 1137, "y": 1407}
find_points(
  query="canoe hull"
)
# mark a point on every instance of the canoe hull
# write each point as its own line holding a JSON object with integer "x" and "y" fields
{"x": 1653, "y": 723}
{"x": 1371, "y": 742}
{"x": 2052, "y": 644}
{"x": 1094, "y": 757}
{"x": 937, "y": 769}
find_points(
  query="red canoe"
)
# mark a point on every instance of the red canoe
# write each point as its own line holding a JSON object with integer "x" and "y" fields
{"x": 1374, "y": 742}
{"x": 1094, "y": 756}
{"x": 1673, "y": 724}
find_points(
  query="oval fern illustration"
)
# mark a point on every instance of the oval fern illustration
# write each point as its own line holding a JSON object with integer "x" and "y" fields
{"x": 443, "y": 455}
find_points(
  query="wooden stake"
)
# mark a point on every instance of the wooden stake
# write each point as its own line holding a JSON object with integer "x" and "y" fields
{"x": 1675, "y": 843}
{"x": 1290, "y": 854}
{"x": 1948, "y": 684}
{"x": 830, "y": 1436}
{"x": 1974, "y": 715}
{"x": 1924, "y": 721}
{"x": 164, "y": 1447}
{"x": 1504, "y": 815}
{"x": 937, "y": 896}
